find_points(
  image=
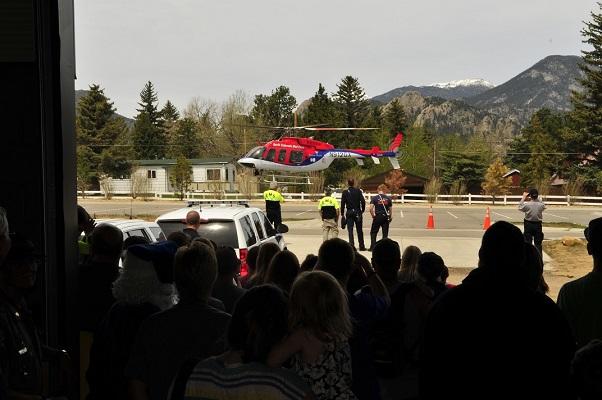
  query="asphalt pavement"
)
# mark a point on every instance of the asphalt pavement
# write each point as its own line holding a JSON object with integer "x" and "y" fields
{"x": 456, "y": 237}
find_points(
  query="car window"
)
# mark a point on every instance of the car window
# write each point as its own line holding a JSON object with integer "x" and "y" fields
{"x": 222, "y": 232}
{"x": 296, "y": 156}
{"x": 268, "y": 226}
{"x": 270, "y": 155}
{"x": 281, "y": 155}
{"x": 158, "y": 233}
{"x": 138, "y": 232}
{"x": 258, "y": 227}
{"x": 247, "y": 230}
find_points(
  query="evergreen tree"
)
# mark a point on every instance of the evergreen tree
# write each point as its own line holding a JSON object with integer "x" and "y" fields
{"x": 321, "y": 110}
{"x": 115, "y": 159}
{"x": 170, "y": 113}
{"x": 466, "y": 167}
{"x": 395, "y": 117}
{"x": 149, "y": 139}
{"x": 181, "y": 176}
{"x": 94, "y": 111}
{"x": 148, "y": 104}
{"x": 495, "y": 184}
{"x": 352, "y": 107}
{"x": 416, "y": 155}
{"x": 587, "y": 102}
{"x": 185, "y": 141}
{"x": 99, "y": 134}
{"x": 275, "y": 109}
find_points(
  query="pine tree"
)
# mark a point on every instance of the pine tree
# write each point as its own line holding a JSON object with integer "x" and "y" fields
{"x": 94, "y": 111}
{"x": 185, "y": 141}
{"x": 181, "y": 176}
{"x": 149, "y": 139}
{"x": 170, "y": 113}
{"x": 542, "y": 138}
{"x": 275, "y": 109}
{"x": 99, "y": 130}
{"x": 352, "y": 107}
{"x": 466, "y": 167}
{"x": 587, "y": 102}
{"x": 321, "y": 110}
{"x": 495, "y": 184}
{"x": 395, "y": 117}
{"x": 148, "y": 104}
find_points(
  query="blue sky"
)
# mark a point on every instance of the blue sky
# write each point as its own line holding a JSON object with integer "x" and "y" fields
{"x": 210, "y": 49}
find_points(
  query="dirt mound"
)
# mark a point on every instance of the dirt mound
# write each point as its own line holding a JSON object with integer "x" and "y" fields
{"x": 569, "y": 261}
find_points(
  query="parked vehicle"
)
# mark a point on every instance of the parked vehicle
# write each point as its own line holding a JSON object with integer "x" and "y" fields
{"x": 136, "y": 227}
{"x": 227, "y": 223}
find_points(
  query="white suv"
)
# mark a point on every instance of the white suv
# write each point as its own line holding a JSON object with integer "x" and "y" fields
{"x": 229, "y": 224}
{"x": 136, "y": 227}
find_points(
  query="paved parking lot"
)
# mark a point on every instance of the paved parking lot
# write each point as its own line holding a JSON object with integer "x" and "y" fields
{"x": 457, "y": 233}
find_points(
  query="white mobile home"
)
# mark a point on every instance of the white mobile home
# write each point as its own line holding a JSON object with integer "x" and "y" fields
{"x": 153, "y": 176}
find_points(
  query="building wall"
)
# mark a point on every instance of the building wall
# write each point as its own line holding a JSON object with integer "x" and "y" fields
{"x": 161, "y": 181}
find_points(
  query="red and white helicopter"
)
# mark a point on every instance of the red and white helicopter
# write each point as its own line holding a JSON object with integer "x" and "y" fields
{"x": 298, "y": 154}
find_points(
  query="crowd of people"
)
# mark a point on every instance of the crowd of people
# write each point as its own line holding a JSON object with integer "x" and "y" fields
{"x": 177, "y": 321}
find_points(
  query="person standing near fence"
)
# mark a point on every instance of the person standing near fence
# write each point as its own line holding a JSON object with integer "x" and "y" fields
{"x": 533, "y": 208}
{"x": 329, "y": 211}
{"x": 353, "y": 206}
{"x": 380, "y": 209}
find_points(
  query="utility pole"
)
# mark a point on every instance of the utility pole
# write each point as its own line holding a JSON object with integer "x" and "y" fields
{"x": 434, "y": 157}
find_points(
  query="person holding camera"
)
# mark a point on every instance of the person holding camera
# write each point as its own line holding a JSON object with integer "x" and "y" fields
{"x": 353, "y": 206}
{"x": 533, "y": 208}
{"x": 380, "y": 209}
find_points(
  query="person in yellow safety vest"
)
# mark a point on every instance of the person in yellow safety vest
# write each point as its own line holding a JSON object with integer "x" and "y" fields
{"x": 329, "y": 211}
{"x": 273, "y": 198}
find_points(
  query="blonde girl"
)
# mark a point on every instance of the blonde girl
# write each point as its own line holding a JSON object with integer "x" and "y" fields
{"x": 320, "y": 326}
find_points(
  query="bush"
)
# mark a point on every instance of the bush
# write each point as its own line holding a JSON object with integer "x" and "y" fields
{"x": 432, "y": 189}
{"x": 457, "y": 189}
{"x": 575, "y": 187}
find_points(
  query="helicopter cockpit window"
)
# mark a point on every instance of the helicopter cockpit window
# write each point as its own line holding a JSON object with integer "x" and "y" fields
{"x": 281, "y": 156}
{"x": 256, "y": 152}
{"x": 296, "y": 156}
{"x": 270, "y": 155}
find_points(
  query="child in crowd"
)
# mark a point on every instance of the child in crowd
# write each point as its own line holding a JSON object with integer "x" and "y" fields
{"x": 320, "y": 325}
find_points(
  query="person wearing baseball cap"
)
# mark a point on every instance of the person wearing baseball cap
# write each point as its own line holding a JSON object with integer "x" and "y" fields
{"x": 533, "y": 208}
{"x": 581, "y": 300}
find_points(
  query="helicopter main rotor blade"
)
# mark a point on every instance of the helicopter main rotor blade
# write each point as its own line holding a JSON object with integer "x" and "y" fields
{"x": 341, "y": 129}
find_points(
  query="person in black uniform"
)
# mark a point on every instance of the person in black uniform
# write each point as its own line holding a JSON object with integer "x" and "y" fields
{"x": 353, "y": 206}
{"x": 380, "y": 209}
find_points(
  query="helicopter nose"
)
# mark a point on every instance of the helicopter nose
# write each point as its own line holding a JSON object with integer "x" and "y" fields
{"x": 247, "y": 162}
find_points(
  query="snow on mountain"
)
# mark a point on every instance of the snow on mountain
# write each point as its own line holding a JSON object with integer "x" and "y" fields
{"x": 463, "y": 82}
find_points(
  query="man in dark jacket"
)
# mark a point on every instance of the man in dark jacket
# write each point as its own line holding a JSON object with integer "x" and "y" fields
{"x": 353, "y": 206}
{"x": 493, "y": 336}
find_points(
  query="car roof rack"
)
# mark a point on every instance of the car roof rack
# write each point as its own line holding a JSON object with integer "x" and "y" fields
{"x": 217, "y": 202}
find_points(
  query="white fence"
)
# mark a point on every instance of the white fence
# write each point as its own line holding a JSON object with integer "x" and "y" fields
{"x": 403, "y": 199}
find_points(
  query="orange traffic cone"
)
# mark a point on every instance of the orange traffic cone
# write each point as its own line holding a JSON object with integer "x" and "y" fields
{"x": 430, "y": 223}
{"x": 487, "y": 220}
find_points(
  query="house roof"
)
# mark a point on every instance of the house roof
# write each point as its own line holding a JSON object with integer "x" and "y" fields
{"x": 510, "y": 173}
{"x": 193, "y": 161}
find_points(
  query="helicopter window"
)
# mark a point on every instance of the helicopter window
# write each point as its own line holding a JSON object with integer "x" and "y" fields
{"x": 281, "y": 155}
{"x": 270, "y": 155}
{"x": 257, "y": 152}
{"x": 296, "y": 156}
